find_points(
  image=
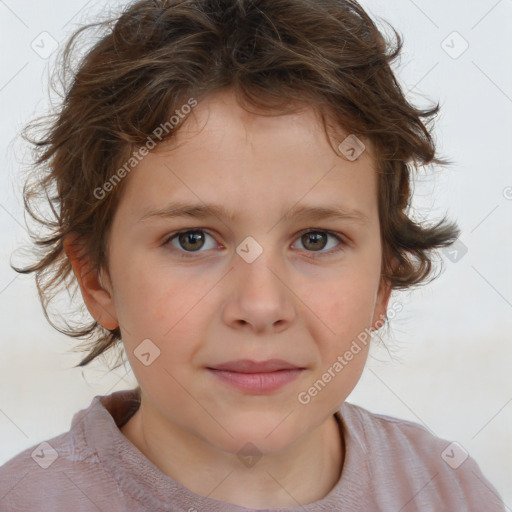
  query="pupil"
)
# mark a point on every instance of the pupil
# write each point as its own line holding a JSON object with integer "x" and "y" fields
{"x": 192, "y": 238}
{"x": 316, "y": 238}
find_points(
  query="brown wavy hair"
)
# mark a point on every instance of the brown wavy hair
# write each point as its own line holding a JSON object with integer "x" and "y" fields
{"x": 154, "y": 55}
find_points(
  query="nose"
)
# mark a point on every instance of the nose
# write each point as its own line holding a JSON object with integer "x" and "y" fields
{"x": 260, "y": 299}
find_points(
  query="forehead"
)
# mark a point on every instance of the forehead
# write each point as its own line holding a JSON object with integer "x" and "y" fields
{"x": 247, "y": 162}
{"x": 222, "y": 117}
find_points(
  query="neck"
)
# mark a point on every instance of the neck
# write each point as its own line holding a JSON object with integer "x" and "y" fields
{"x": 303, "y": 474}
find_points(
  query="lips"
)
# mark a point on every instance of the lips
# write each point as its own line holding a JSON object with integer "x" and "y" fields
{"x": 249, "y": 366}
{"x": 256, "y": 377}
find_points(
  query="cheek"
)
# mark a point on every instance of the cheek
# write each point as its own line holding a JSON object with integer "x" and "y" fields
{"x": 344, "y": 303}
{"x": 172, "y": 309}
{"x": 157, "y": 298}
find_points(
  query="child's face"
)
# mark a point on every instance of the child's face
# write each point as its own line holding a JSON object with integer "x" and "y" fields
{"x": 297, "y": 301}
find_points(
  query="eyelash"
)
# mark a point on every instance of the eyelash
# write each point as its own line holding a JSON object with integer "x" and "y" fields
{"x": 191, "y": 254}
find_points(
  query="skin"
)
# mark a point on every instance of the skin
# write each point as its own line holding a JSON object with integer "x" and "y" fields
{"x": 289, "y": 303}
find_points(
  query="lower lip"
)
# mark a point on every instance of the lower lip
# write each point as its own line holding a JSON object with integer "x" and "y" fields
{"x": 257, "y": 382}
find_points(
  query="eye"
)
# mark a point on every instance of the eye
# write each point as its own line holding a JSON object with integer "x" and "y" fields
{"x": 316, "y": 239}
{"x": 191, "y": 240}
{"x": 186, "y": 243}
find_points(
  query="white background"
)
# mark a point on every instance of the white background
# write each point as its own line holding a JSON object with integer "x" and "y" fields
{"x": 451, "y": 344}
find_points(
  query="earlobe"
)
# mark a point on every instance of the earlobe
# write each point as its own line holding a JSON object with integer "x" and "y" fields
{"x": 97, "y": 296}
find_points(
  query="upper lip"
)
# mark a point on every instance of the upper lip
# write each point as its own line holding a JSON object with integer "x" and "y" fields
{"x": 249, "y": 366}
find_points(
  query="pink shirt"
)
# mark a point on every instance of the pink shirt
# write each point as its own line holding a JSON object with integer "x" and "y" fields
{"x": 390, "y": 465}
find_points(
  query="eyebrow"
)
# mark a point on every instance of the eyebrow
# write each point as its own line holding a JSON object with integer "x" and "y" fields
{"x": 204, "y": 211}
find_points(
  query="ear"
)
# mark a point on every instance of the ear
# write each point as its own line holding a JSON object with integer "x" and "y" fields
{"x": 381, "y": 303}
{"x": 97, "y": 297}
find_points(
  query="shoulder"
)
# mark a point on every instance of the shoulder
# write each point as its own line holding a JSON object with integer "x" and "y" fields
{"x": 376, "y": 428}
{"x": 405, "y": 459}
{"x": 57, "y": 474}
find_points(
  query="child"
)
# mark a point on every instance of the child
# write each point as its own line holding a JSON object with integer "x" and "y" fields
{"x": 256, "y": 130}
